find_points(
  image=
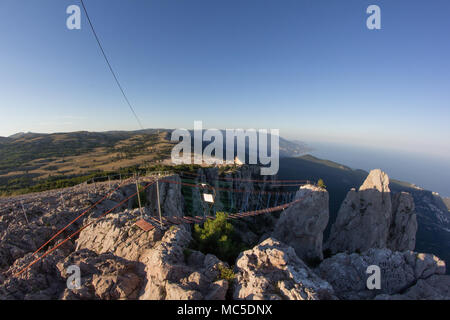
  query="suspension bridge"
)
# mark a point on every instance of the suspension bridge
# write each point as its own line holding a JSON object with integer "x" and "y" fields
{"x": 150, "y": 222}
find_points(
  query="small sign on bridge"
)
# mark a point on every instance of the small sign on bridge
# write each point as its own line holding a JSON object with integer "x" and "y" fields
{"x": 208, "y": 198}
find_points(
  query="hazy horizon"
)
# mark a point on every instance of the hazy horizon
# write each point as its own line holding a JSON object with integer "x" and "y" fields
{"x": 424, "y": 170}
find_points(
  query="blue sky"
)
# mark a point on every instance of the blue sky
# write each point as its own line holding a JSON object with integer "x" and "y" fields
{"x": 309, "y": 68}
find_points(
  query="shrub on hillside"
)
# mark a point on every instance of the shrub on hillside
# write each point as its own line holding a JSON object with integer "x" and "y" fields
{"x": 226, "y": 273}
{"x": 321, "y": 184}
{"x": 219, "y": 238}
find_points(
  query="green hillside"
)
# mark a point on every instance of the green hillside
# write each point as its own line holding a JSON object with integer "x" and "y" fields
{"x": 33, "y": 161}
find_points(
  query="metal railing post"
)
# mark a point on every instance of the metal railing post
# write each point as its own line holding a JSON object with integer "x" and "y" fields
{"x": 24, "y": 212}
{"x": 139, "y": 196}
{"x": 159, "y": 204}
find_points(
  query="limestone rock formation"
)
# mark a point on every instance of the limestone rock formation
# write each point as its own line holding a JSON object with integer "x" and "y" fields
{"x": 116, "y": 233}
{"x": 172, "y": 271}
{"x": 120, "y": 261}
{"x": 176, "y": 273}
{"x": 364, "y": 217}
{"x": 273, "y": 271}
{"x": 171, "y": 199}
{"x": 436, "y": 287}
{"x": 399, "y": 271}
{"x": 104, "y": 276}
{"x": 41, "y": 282}
{"x": 402, "y": 232}
{"x": 20, "y": 234}
{"x": 368, "y": 218}
{"x": 301, "y": 226}
{"x": 28, "y": 221}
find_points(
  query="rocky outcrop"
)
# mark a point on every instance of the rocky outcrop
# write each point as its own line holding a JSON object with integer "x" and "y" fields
{"x": 120, "y": 261}
{"x": 436, "y": 287}
{"x": 20, "y": 234}
{"x": 175, "y": 272}
{"x": 28, "y": 221}
{"x": 301, "y": 226}
{"x": 369, "y": 218}
{"x": 273, "y": 271}
{"x": 403, "y": 228}
{"x": 399, "y": 271}
{"x": 147, "y": 269}
{"x": 364, "y": 217}
{"x": 433, "y": 218}
{"x": 41, "y": 282}
{"x": 170, "y": 197}
{"x": 116, "y": 233}
{"x": 171, "y": 270}
{"x": 104, "y": 276}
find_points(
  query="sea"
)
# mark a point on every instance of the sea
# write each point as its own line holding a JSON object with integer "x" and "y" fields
{"x": 426, "y": 171}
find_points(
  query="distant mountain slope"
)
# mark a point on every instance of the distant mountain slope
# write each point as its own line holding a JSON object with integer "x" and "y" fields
{"x": 27, "y": 135}
{"x": 433, "y": 216}
{"x": 287, "y": 148}
{"x": 26, "y": 157}
{"x": 18, "y": 151}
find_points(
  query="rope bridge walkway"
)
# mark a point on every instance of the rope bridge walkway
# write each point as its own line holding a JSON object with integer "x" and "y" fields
{"x": 149, "y": 222}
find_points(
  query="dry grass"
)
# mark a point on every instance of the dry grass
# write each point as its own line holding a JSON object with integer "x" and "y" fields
{"x": 103, "y": 159}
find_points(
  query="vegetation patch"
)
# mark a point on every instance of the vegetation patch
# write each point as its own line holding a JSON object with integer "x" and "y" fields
{"x": 321, "y": 184}
{"x": 226, "y": 273}
{"x": 219, "y": 238}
